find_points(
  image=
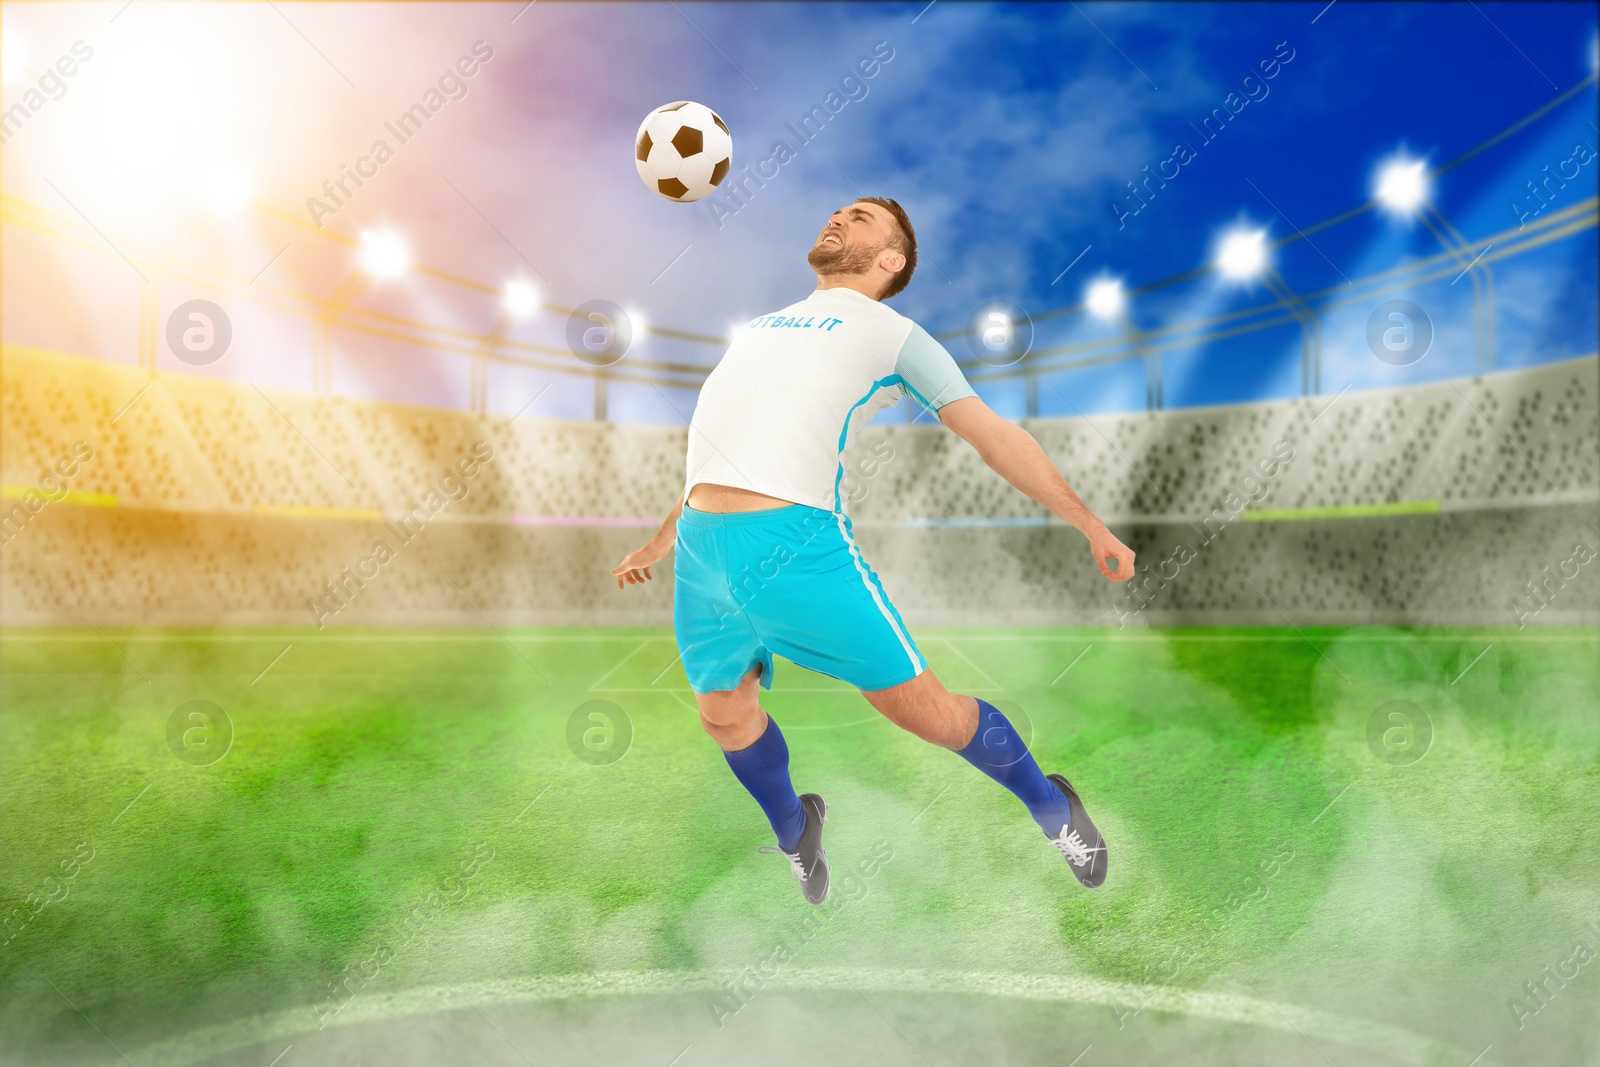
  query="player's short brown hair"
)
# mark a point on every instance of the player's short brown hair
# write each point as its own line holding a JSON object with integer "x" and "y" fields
{"x": 904, "y": 241}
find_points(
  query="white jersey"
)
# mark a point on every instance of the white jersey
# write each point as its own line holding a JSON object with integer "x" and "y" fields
{"x": 793, "y": 390}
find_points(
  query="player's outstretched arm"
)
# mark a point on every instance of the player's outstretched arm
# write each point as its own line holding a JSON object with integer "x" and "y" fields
{"x": 1014, "y": 454}
{"x": 635, "y": 566}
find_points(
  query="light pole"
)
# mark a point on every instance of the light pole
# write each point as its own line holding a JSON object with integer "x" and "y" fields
{"x": 519, "y": 300}
{"x": 383, "y": 256}
{"x": 1403, "y": 187}
{"x": 1107, "y": 301}
{"x": 1241, "y": 256}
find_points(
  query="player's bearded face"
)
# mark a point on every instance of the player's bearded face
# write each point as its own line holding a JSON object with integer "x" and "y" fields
{"x": 826, "y": 257}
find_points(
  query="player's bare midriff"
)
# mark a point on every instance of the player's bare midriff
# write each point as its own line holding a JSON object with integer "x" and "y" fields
{"x": 708, "y": 496}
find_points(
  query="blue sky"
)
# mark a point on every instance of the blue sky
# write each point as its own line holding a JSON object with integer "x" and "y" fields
{"x": 1006, "y": 130}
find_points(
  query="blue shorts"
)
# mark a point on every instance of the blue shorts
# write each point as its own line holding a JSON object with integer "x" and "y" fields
{"x": 789, "y": 581}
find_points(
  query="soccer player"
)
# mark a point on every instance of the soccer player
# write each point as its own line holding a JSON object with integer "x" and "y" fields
{"x": 766, "y": 561}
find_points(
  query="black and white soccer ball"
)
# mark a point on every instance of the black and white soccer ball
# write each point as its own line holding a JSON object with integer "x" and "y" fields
{"x": 683, "y": 150}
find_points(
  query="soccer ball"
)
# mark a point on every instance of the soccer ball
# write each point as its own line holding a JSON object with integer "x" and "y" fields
{"x": 683, "y": 150}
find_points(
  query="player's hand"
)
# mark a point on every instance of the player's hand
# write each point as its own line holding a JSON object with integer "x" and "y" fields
{"x": 1105, "y": 547}
{"x": 635, "y": 566}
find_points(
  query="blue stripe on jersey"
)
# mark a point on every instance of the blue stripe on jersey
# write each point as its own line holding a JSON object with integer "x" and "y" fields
{"x": 844, "y": 431}
{"x": 875, "y": 589}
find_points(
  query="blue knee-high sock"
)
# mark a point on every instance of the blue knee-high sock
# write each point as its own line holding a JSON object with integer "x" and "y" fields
{"x": 763, "y": 769}
{"x": 997, "y": 751}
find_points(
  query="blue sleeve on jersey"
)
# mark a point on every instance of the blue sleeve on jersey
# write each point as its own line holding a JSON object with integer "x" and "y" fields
{"x": 930, "y": 372}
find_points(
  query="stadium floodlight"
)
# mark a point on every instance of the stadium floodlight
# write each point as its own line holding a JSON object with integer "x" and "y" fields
{"x": 1402, "y": 185}
{"x": 384, "y": 254}
{"x": 520, "y": 297}
{"x": 1242, "y": 253}
{"x": 1105, "y": 298}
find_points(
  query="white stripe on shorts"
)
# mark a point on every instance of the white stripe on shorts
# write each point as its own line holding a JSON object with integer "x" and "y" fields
{"x": 861, "y": 569}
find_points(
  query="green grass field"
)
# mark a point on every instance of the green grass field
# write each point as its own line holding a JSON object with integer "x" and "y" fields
{"x": 1295, "y": 876}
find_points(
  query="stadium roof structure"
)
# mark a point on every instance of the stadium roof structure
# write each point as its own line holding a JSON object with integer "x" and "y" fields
{"x": 342, "y": 310}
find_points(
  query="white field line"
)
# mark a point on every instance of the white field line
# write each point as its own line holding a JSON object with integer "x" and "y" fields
{"x": 667, "y": 668}
{"x": 1391, "y": 1041}
{"x": 989, "y": 678}
{"x": 623, "y": 660}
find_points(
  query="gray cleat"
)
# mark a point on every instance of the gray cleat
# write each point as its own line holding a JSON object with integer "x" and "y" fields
{"x": 809, "y": 861}
{"x": 1079, "y": 841}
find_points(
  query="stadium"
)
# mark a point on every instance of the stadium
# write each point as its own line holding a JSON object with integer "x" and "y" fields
{"x": 329, "y": 737}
